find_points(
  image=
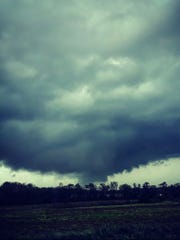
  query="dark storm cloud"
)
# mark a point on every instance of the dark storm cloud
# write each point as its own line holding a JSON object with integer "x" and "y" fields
{"x": 88, "y": 87}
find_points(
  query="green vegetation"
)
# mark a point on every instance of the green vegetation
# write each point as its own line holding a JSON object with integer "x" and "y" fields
{"x": 89, "y": 221}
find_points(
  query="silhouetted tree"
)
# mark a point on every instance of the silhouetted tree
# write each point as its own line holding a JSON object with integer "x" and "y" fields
{"x": 18, "y": 193}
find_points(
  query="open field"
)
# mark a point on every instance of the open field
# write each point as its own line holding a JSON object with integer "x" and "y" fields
{"x": 90, "y": 221}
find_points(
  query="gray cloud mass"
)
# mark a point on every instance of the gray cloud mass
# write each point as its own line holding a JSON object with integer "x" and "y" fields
{"x": 89, "y": 87}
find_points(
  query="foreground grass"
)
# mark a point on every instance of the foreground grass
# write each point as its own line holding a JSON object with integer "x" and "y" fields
{"x": 149, "y": 221}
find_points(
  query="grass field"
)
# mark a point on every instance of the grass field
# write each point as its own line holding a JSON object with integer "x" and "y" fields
{"x": 90, "y": 221}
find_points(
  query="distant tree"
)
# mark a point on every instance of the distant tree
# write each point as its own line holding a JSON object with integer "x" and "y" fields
{"x": 146, "y": 185}
{"x": 90, "y": 186}
{"x": 104, "y": 187}
{"x": 163, "y": 185}
{"x": 113, "y": 185}
{"x": 18, "y": 193}
{"x": 70, "y": 186}
{"x": 104, "y": 191}
{"x": 126, "y": 191}
{"x": 163, "y": 190}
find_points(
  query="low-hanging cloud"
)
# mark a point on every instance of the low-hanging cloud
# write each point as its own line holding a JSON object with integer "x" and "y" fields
{"x": 88, "y": 87}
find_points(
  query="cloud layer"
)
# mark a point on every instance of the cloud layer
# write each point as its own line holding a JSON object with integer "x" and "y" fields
{"x": 89, "y": 87}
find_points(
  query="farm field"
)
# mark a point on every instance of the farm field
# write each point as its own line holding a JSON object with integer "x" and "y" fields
{"x": 90, "y": 221}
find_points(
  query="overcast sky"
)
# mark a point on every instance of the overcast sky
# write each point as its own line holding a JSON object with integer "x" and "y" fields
{"x": 89, "y": 89}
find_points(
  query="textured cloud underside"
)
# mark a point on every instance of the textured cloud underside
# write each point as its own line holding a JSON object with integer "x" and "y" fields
{"x": 88, "y": 87}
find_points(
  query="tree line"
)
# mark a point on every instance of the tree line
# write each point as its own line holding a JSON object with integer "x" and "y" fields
{"x": 15, "y": 193}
